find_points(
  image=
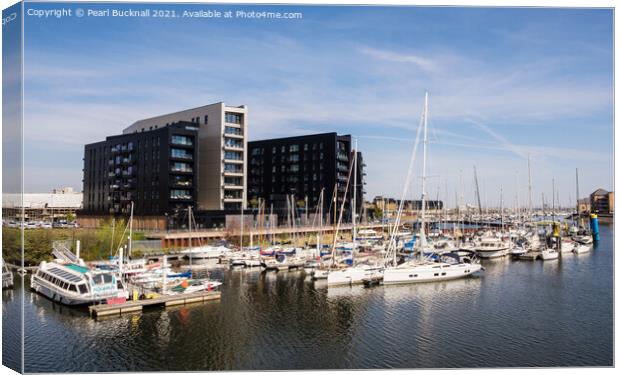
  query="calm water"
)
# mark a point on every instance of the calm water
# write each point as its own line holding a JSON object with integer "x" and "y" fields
{"x": 556, "y": 313}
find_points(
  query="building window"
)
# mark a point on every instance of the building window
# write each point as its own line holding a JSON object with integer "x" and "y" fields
{"x": 181, "y": 167}
{"x": 293, "y": 148}
{"x": 180, "y": 194}
{"x": 233, "y": 155}
{"x": 206, "y": 119}
{"x": 180, "y": 154}
{"x": 232, "y": 131}
{"x": 181, "y": 140}
{"x": 234, "y": 118}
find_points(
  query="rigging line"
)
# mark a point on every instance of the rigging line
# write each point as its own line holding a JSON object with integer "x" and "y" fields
{"x": 392, "y": 245}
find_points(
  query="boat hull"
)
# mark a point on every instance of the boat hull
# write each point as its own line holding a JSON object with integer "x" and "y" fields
{"x": 428, "y": 273}
{"x": 492, "y": 254}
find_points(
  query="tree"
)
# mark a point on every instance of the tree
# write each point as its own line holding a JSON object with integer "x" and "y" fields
{"x": 377, "y": 212}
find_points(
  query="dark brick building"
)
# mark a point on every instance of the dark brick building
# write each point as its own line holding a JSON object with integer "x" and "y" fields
{"x": 301, "y": 167}
{"x": 155, "y": 169}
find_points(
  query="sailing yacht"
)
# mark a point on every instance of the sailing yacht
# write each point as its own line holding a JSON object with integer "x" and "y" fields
{"x": 422, "y": 269}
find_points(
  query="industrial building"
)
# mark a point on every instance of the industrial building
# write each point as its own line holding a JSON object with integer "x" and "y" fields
{"x": 59, "y": 205}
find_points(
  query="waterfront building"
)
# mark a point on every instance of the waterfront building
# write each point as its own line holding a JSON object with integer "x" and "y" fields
{"x": 221, "y": 163}
{"x": 59, "y": 205}
{"x": 602, "y": 202}
{"x": 300, "y": 168}
{"x": 164, "y": 164}
{"x": 584, "y": 205}
{"x": 155, "y": 169}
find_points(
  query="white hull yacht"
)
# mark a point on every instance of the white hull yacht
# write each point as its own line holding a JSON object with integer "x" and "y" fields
{"x": 407, "y": 273}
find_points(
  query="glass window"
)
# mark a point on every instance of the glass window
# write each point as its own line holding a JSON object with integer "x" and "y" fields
{"x": 234, "y": 118}
{"x": 181, "y": 140}
{"x": 83, "y": 288}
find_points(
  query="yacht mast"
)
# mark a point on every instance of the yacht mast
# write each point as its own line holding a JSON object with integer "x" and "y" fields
{"x": 424, "y": 155}
{"x": 354, "y": 208}
{"x": 477, "y": 192}
{"x": 130, "y": 229}
{"x": 529, "y": 187}
{"x": 577, "y": 188}
{"x": 189, "y": 227}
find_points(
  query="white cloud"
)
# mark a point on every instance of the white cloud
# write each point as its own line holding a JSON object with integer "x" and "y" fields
{"x": 409, "y": 58}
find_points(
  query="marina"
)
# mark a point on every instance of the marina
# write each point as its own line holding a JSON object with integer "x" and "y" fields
{"x": 554, "y": 313}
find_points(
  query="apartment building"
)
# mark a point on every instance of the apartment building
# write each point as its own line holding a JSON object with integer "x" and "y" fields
{"x": 155, "y": 169}
{"x": 301, "y": 167}
{"x": 222, "y": 141}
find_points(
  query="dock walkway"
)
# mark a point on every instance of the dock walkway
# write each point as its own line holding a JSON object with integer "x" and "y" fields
{"x": 136, "y": 306}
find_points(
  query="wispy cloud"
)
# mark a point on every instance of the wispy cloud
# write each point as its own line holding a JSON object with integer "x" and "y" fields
{"x": 408, "y": 58}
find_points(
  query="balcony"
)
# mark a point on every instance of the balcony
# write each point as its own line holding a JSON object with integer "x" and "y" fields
{"x": 181, "y": 170}
{"x": 186, "y": 197}
{"x": 185, "y": 183}
{"x": 232, "y": 199}
{"x": 179, "y": 140}
{"x": 235, "y": 133}
{"x": 182, "y": 157}
{"x": 234, "y": 145}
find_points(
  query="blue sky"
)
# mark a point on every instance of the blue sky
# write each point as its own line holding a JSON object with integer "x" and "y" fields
{"x": 504, "y": 83}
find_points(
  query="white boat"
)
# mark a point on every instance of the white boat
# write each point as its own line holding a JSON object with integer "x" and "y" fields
{"x": 491, "y": 247}
{"x": 195, "y": 285}
{"x": 206, "y": 252}
{"x": 567, "y": 245}
{"x": 581, "y": 248}
{"x": 351, "y": 275}
{"x": 320, "y": 274}
{"x": 584, "y": 239}
{"x": 73, "y": 284}
{"x": 549, "y": 254}
{"x": 7, "y": 276}
{"x": 427, "y": 272}
{"x": 422, "y": 270}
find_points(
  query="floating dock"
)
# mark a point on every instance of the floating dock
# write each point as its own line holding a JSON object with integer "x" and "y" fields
{"x": 136, "y": 306}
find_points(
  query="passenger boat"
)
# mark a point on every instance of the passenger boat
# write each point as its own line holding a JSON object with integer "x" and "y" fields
{"x": 74, "y": 284}
{"x": 7, "y": 276}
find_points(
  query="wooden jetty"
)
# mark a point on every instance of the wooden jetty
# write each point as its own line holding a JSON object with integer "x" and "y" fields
{"x": 168, "y": 300}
